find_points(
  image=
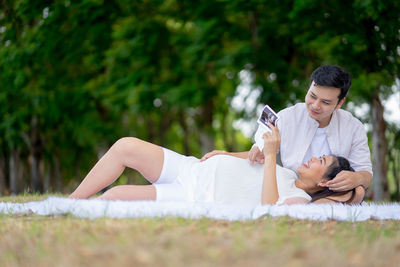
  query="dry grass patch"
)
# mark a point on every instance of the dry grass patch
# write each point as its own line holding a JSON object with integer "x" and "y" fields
{"x": 68, "y": 241}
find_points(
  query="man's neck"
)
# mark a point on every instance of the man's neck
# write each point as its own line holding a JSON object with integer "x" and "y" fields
{"x": 323, "y": 124}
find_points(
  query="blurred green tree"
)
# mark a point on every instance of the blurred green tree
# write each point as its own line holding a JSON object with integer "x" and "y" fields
{"x": 44, "y": 66}
{"x": 76, "y": 75}
{"x": 364, "y": 37}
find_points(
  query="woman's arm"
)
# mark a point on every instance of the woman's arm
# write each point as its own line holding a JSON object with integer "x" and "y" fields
{"x": 271, "y": 145}
{"x": 269, "y": 188}
{"x": 295, "y": 200}
{"x": 324, "y": 201}
{"x": 254, "y": 155}
{"x": 242, "y": 155}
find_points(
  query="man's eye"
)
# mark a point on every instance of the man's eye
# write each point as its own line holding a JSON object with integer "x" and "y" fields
{"x": 326, "y": 103}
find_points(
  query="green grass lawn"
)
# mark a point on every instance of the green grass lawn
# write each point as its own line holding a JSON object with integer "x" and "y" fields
{"x": 31, "y": 240}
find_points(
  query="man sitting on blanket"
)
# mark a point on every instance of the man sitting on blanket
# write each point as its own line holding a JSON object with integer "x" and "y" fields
{"x": 319, "y": 127}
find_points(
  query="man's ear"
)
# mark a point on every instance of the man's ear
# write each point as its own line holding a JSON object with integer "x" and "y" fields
{"x": 339, "y": 105}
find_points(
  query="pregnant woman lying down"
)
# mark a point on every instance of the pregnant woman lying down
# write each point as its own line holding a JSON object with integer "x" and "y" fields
{"x": 220, "y": 179}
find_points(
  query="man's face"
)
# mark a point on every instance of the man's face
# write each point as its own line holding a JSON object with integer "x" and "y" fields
{"x": 321, "y": 102}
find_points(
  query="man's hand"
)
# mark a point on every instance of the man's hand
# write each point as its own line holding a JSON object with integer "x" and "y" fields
{"x": 256, "y": 155}
{"x": 359, "y": 195}
{"x": 347, "y": 180}
{"x": 344, "y": 180}
{"x": 213, "y": 153}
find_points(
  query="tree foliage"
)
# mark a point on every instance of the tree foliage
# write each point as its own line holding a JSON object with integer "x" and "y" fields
{"x": 77, "y": 75}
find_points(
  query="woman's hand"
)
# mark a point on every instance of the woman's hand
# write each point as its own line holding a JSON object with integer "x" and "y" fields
{"x": 272, "y": 141}
{"x": 213, "y": 153}
{"x": 256, "y": 155}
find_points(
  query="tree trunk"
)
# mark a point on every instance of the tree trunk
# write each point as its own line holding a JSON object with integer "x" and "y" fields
{"x": 36, "y": 156}
{"x": 253, "y": 20}
{"x": 36, "y": 176}
{"x": 379, "y": 151}
{"x": 57, "y": 174}
{"x": 394, "y": 159}
{"x": 164, "y": 125}
{"x": 207, "y": 142}
{"x": 47, "y": 177}
{"x": 14, "y": 173}
{"x": 2, "y": 176}
{"x": 77, "y": 165}
{"x": 185, "y": 128}
{"x": 151, "y": 130}
{"x": 206, "y": 131}
{"x": 396, "y": 177}
{"x": 226, "y": 128}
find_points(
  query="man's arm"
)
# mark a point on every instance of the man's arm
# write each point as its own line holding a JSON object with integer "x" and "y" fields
{"x": 360, "y": 158}
{"x": 347, "y": 180}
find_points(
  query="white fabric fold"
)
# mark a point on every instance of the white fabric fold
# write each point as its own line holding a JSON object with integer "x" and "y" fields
{"x": 95, "y": 208}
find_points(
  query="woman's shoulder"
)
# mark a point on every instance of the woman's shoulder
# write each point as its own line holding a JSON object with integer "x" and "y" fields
{"x": 285, "y": 172}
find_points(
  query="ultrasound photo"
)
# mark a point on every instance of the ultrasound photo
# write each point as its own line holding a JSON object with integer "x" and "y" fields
{"x": 268, "y": 115}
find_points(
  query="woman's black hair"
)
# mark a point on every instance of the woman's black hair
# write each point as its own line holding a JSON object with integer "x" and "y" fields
{"x": 338, "y": 165}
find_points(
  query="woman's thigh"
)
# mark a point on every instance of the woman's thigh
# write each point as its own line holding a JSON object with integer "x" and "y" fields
{"x": 171, "y": 192}
{"x": 155, "y": 163}
{"x": 172, "y": 165}
{"x": 130, "y": 192}
{"x": 159, "y": 192}
{"x": 140, "y": 155}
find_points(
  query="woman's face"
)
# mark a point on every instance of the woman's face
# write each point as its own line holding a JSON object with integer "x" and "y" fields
{"x": 315, "y": 169}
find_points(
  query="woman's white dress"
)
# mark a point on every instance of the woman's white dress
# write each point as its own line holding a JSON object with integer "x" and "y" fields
{"x": 231, "y": 180}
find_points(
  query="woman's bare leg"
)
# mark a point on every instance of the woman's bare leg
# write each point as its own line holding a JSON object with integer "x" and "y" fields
{"x": 129, "y": 152}
{"x": 130, "y": 192}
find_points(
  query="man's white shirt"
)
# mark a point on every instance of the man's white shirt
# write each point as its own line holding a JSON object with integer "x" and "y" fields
{"x": 319, "y": 146}
{"x": 301, "y": 138}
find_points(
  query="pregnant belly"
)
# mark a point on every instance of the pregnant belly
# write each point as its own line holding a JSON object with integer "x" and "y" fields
{"x": 237, "y": 181}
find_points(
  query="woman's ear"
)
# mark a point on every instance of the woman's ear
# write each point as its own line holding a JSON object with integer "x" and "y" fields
{"x": 323, "y": 182}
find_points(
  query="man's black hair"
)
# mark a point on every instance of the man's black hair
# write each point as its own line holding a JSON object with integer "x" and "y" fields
{"x": 332, "y": 76}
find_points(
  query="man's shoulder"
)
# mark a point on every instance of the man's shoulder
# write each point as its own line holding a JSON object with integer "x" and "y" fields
{"x": 294, "y": 117}
{"x": 298, "y": 109}
{"x": 297, "y": 106}
{"x": 346, "y": 117}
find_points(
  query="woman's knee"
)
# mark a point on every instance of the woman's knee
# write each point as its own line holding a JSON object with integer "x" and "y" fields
{"x": 125, "y": 145}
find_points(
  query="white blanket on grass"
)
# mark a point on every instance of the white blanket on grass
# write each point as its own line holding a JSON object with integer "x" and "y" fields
{"x": 94, "y": 208}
